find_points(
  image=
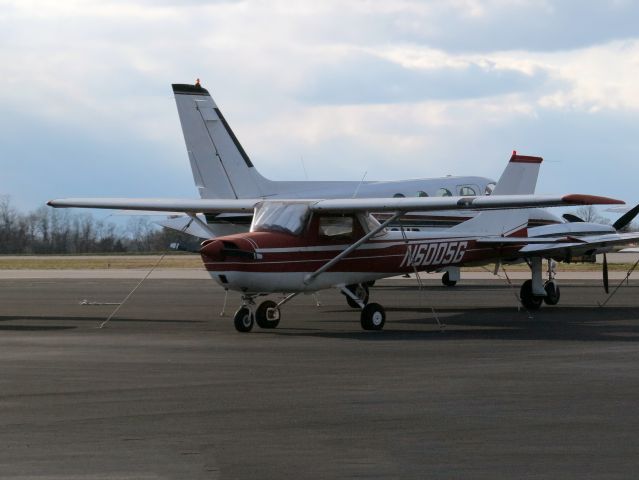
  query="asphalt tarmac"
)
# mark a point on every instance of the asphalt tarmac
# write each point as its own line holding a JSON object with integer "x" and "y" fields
{"x": 169, "y": 390}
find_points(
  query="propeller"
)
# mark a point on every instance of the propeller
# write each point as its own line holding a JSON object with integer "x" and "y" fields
{"x": 569, "y": 217}
{"x": 605, "y": 272}
{"x": 626, "y": 218}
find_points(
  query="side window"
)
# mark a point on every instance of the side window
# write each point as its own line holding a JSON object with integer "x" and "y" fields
{"x": 399, "y": 195}
{"x": 422, "y": 193}
{"x": 489, "y": 188}
{"x": 466, "y": 190}
{"x": 444, "y": 192}
{"x": 336, "y": 228}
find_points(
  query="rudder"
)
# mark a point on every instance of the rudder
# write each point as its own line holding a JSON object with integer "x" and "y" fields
{"x": 220, "y": 166}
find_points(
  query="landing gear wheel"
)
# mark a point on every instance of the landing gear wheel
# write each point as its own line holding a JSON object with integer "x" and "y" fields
{"x": 361, "y": 291}
{"x": 243, "y": 319}
{"x": 373, "y": 317}
{"x": 267, "y": 314}
{"x": 370, "y": 283}
{"x": 552, "y": 293}
{"x": 528, "y": 300}
{"x": 447, "y": 281}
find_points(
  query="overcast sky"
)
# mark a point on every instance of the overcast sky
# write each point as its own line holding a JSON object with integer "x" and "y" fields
{"x": 398, "y": 89}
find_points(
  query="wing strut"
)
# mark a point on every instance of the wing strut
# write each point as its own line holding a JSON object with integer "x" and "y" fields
{"x": 311, "y": 276}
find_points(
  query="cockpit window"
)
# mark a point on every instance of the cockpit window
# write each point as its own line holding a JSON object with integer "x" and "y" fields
{"x": 399, "y": 195}
{"x": 444, "y": 192}
{"x": 280, "y": 217}
{"x": 422, "y": 193}
{"x": 489, "y": 188}
{"x": 466, "y": 191}
{"x": 336, "y": 227}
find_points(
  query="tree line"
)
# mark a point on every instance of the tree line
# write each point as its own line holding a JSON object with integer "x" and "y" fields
{"x": 52, "y": 231}
{"x": 59, "y": 231}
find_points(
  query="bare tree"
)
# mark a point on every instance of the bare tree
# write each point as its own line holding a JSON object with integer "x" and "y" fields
{"x": 588, "y": 213}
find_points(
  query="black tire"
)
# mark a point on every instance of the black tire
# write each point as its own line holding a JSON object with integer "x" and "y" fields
{"x": 370, "y": 283}
{"x": 553, "y": 294}
{"x": 243, "y": 320}
{"x": 361, "y": 291}
{"x": 528, "y": 300}
{"x": 373, "y": 317}
{"x": 447, "y": 281}
{"x": 262, "y": 313}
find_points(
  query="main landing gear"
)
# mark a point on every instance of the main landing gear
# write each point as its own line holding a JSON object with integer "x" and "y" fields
{"x": 535, "y": 291}
{"x": 360, "y": 291}
{"x": 373, "y": 315}
{"x": 451, "y": 276}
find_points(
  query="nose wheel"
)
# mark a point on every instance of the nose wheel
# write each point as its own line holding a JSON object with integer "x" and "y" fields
{"x": 267, "y": 314}
{"x": 552, "y": 293}
{"x": 243, "y": 320}
{"x": 528, "y": 299}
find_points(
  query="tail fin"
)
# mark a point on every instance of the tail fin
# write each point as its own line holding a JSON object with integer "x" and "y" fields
{"x": 221, "y": 168}
{"x": 519, "y": 178}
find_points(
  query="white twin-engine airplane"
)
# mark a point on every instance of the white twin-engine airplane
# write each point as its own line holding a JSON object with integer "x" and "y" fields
{"x": 302, "y": 246}
{"x": 222, "y": 169}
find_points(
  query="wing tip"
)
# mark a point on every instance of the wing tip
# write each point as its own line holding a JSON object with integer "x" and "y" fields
{"x": 580, "y": 199}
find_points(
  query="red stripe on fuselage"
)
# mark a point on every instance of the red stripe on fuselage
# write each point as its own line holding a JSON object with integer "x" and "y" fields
{"x": 425, "y": 256}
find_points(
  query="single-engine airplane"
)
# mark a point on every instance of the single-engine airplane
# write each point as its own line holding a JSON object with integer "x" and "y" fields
{"x": 301, "y": 246}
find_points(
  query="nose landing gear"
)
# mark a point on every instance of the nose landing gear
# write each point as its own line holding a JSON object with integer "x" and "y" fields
{"x": 534, "y": 292}
{"x": 267, "y": 314}
{"x": 243, "y": 319}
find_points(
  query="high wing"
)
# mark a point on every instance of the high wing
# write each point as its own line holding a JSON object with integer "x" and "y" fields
{"x": 459, "y": 203}
{"x": 167, "y": 205}
{"x": 339, "y": 205}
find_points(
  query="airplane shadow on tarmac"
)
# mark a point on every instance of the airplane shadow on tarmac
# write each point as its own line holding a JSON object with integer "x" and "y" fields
{"x": 587, "y": 324}
{"x": 68, "y": 318}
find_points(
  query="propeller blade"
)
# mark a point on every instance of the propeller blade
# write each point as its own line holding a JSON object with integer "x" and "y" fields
{"x": 605, "y": 272}
{"x": 569, "y": 217}
{"x": 626, "y": 218}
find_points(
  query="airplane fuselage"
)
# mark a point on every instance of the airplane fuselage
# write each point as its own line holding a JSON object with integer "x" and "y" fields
{"x": 278, "y": 262}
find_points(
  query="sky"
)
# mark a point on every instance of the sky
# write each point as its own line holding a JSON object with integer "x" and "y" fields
{"x": 319, "y": 90}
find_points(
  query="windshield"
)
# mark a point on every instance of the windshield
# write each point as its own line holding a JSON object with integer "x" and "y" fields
{"x": 280, "y": 217}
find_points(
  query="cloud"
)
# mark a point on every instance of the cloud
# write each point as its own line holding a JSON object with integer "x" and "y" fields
{"x": 401, "y": 89}
{"x": 365, "y": 78}
{"x": 483, "y": 26}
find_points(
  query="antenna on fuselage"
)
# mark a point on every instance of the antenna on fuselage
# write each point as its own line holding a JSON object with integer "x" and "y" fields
{"x": 359, "y": 184}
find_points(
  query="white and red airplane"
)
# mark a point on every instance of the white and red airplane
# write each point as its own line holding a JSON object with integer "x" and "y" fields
{"x": 301, "y": 246}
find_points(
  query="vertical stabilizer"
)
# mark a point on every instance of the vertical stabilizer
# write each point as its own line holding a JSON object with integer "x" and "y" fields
{"x": 221, "y": 168}
{"x": 519, "y": 178}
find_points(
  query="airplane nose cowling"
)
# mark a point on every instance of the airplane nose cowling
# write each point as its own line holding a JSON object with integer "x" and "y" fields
{"x": 221, "y": 250}
{"x": 212, "y": 249}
